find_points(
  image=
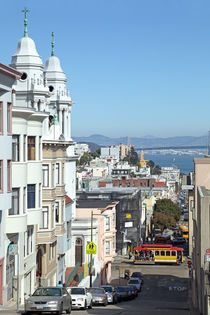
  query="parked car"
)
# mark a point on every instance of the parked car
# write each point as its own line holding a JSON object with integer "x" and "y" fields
{"x": 111, "y": 293}
{"x": 134, "y": 290}
{"x": 138, "y": 274}
{"x": 136, "y": 282}
{"x": 99, "y": 296}
{"x": 49, "y": 299}
{"x": 130, "y": 292}
{"x": 178, "y": 240}
{"x": 81, "y": 298}
{"x": 122, "y": 293}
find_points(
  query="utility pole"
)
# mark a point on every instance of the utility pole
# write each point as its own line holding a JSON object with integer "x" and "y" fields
{"x": 91, "y": 255}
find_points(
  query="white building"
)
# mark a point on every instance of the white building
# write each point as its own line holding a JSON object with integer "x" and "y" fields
{"x": 111, "y": 152}
{"x": 81, "y": 148}
{"x": 28, "y": 113}
{"x": 8, "y": 77}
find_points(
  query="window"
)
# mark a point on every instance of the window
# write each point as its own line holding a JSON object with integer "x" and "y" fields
{"x": 107, "y": 223}
{"x": 25, "y": 242}
{"x": 31, "y": 196}
{"x": 9, "y": 175}
{"x": 57, "y": 212}
{"x": 40, "y": 195}
{"x": 15, "y": 148}
{"x": 45, "y": 174}
{"x": 173, "y": 253}
{"x": 15, "y": 202}
{"x": 9, "y": 118}
{"x": 167, "y": 253}
{"x": 53, "y": 216}
{"x": 68, "y": 229}
{"x": 31, "y": 148}
{"x": 45, "y": 218}
{"x": 107, "y": 248}
{"x": 57, "y": 173}
{"x": 24, "y": 199}
{"x": 52, "y": 251}
{"x": 157, "y": 253}
{"x": 40, "y": 148}
{"x": 162, "y": 253}
{"x": 1, "y": 118}
{"x": 30, "y": 239}
{"x": 24, "y": 148}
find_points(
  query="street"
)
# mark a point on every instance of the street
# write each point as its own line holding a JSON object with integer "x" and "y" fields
{"x": 165, "y": 291}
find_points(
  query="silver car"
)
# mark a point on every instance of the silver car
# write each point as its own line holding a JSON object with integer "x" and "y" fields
{"x": 99, "y": 296}
{"x": 49, "y": 299}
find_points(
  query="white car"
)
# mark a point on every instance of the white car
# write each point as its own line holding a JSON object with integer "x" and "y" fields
{"x": 81, "y": 298}
{"x": 136, "y": 282}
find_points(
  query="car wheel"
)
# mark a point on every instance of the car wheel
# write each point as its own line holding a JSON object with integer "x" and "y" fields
{"x": 91, "y": 304}
{"x": 85, "y": 306}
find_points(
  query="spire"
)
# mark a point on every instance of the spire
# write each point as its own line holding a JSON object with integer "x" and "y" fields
{"x": 55, "y": 121}
{"x": 53, "y": 45}
{"x": 25, "y": 22}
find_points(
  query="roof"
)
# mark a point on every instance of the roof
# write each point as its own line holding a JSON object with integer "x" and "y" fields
{"x": 68, "y": 200}
{"x": 10, "y": 71}
{"x": 91, "y": 203}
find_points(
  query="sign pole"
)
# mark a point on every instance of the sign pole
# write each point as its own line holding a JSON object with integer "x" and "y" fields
{"x": 91, "y": 255}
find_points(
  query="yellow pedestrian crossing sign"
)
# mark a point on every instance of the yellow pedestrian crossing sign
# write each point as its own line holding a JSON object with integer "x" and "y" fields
{"x": 91, "y": 248}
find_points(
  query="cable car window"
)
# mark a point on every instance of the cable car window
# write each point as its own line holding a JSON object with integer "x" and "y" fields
{"x": 157, "y": 253}
{"x": 162, "y": 253}
{"x": 168, "y": 253}
{"x": 173, "y": 253}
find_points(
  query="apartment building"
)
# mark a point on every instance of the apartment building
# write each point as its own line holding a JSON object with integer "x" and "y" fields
{"x": 8, "y": 77}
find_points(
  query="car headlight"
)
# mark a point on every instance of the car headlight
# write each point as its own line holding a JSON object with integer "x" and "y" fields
{"x": 29, "y": 302}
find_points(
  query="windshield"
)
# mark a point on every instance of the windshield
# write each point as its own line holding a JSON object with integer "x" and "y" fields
{"x": 47, "y": 292}
{"x": 133, "y": 281}
{"x": 108, "y": 289}
{"x": 96, "y": 291}
{"x": 77, "y": 291}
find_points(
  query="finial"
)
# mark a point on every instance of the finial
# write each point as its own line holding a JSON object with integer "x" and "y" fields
{"x": 25, "y": 11}
{"x": 55, "y": 121}
{"x": 52, "y": 44}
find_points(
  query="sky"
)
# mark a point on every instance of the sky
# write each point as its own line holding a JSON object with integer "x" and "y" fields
{"x": 134, "y": 67}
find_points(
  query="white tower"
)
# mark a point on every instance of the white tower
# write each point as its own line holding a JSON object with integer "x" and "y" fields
{"x": 56, "y": 80}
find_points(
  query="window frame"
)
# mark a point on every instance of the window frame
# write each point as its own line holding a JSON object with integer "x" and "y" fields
{"x": 107, "y": 250}
{"x": 107, "y": 227}
{"x": 30, "y": 146}
{"x": 29, "y": 196}
{"x": 44, "y": 171}
{"x": 9, "y": 118}
{"x": 57, "y": 212}
{"x": 16, "y": 148}
{"x": 11, "y": 211}
{"x": 45, "y": 210}
{"x": 1, "y": 118}
{"x": 9, "y": 175}
{"x": 57, "y": 173}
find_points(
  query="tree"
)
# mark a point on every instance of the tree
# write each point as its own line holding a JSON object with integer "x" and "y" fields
{"x": 168, "y": 207}
{"x": 132, "y": 157}
{"x": 156, "y": 170}
{"x": 163, "y": 221}
{"x": 151, "y": 164}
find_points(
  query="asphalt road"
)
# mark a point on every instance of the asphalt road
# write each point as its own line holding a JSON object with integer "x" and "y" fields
{"x": 165, "y": 291}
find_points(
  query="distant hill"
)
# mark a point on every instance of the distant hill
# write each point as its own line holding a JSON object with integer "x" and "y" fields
{"x": 144, "y": 142}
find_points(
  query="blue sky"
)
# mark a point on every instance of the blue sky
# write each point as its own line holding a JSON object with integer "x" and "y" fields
{"x": 134, "y": 67}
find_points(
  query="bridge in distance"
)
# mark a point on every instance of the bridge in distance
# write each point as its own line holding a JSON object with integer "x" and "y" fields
{"x": 172, "y": 148}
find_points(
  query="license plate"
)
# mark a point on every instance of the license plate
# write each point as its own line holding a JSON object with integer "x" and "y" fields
{"x": 39, "y": 307}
